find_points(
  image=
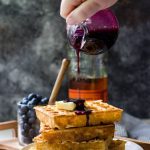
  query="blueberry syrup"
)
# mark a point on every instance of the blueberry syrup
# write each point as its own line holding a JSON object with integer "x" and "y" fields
{"x": 96, "y": 42}
{"x": 80, "y": 108}
{"x": 95, "y": 35}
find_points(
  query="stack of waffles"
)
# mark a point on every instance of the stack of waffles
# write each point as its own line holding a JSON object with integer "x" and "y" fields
{"x": 78, "y": 125}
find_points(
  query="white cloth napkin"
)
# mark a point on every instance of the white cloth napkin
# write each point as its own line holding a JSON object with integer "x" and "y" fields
{"x": 133, "y": 127}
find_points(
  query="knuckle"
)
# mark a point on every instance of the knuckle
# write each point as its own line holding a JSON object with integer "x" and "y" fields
{"x": 105, "y": 3}
{"x": 62, "y": 15}
{"x": 76, "y": 2}
{"x": 82, "y": 14}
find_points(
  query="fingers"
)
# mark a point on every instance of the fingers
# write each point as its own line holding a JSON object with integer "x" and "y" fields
{"x": 87, "y": 9}
{"x": 67, "y": 6}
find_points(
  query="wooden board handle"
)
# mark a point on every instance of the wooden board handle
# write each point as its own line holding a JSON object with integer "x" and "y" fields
{"x": 58, "y": 82}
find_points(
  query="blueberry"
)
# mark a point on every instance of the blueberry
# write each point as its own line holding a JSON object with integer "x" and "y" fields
{"x": 32, "y": 133}
{"x": 32, "y": 120}
{"x": 20, "y": 113}
{"x": 31, "y": 95}
{"x": 21, "y": 121}
{"x": 30, "y": 104}
{"x": 21, "y": 125}
{"x": 24, "y": 109}
{"x": 33, "y": 125}
{"x": 34, "y": 101}
{"x": 24, "y": 121}
{"x": 24, "y": 133}
{"x": 27, "y": 140}
{"x": 44, "y": 101}
{"x": 24, "y": 118}
{"x": 39, "y": 97}
{"x": 26, "y": 126}
{"x": 24, "y": 100}
{"x": 40, "y": 103}
{"x": 31, "y": 113}
{"x": 80, "y": 107}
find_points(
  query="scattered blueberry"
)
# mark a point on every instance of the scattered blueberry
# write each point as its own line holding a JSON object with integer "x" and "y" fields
{"x": 44, "y": 101}
{"x": 32, "y": 95}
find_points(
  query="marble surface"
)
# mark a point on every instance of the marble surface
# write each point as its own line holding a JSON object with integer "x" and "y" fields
{"x": 129, "y": 61}
{"x": 33, "y": 43}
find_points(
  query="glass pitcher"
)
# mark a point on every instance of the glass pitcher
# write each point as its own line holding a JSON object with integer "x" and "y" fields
{"x": 96, "y": 34}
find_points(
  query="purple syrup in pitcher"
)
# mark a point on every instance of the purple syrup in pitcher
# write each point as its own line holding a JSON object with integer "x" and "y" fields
{"x": 96, "y": 34}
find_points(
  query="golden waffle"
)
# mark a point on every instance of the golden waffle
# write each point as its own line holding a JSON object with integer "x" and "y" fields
{"x": 77, "y": 134}
{"x": 117, "y": 145}
{"x": 102, "y": 113}
{"x": 41, "y": 144}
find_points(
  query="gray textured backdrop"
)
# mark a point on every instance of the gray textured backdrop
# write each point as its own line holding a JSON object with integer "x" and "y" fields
{"x": 33, "y": 43}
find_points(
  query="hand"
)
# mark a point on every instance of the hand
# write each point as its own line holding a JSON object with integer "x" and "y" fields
{"x": 75, "y": 11}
